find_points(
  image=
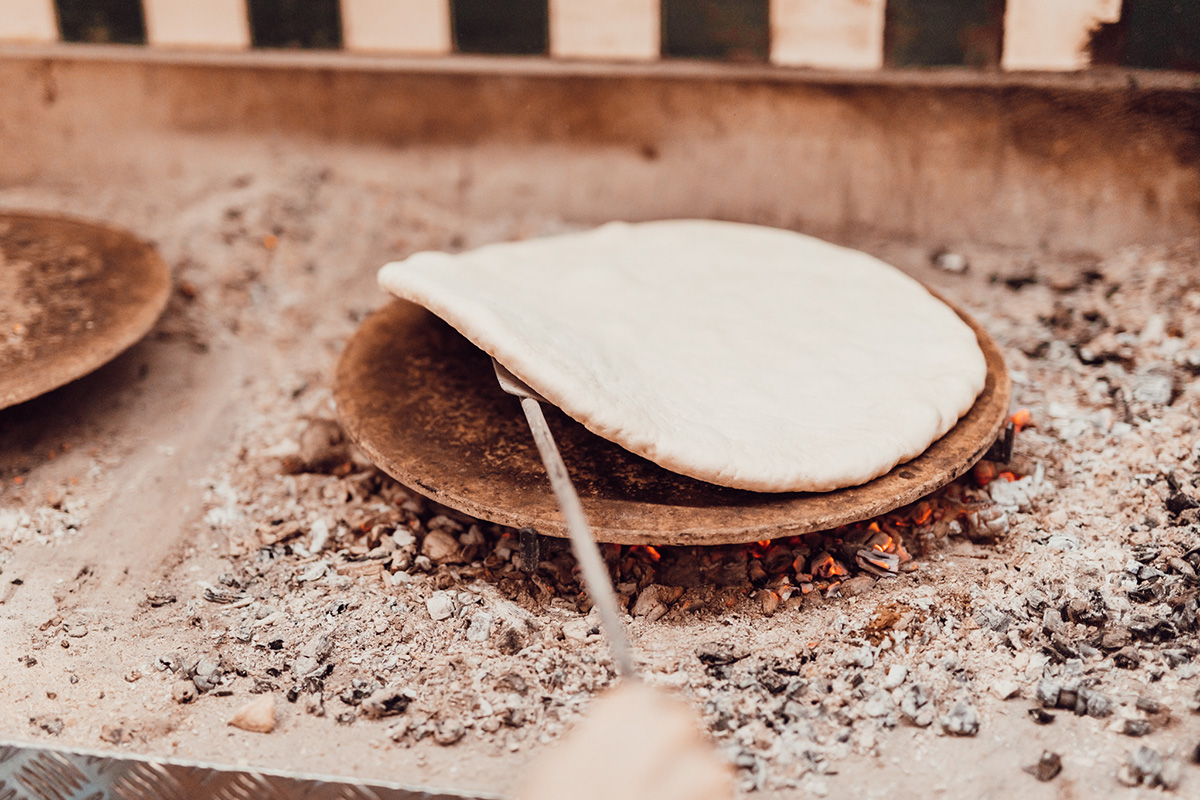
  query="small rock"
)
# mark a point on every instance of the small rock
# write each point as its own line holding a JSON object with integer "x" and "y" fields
{"x": 1155, "y": 386}
{"x": 314, "y": 704}
{"x": 448, "y": 731}
{"x": 718, "y": 653}
{"x": 1006, "y": 690}
{"x": 257, "y": 716}
{"x": 184, "y": 692}
{"x": 1048, "y": 692}
{"x": 397, "y": 730}
{"x": 915, "y": 706}
{"x": 440, "y": 605}
{"x": 578, "y": 630}
{"x": 480, "y": 627}
{"x": 1041, "y": 716}
{"x": 51, "y": 725}
{"x": 386, "y": 702}
{"x": 895, "y": 676}
{"x": 76, "y": 629}
{"x": 950, "y": 261}
{"x": 1136, "y": 727}
{"x": 770, "y": 600}
{"x": 646, "y": 601}
{"x": 1115, "y": 639}
{"x": 116, "y": 733}
{"x": 1094, "y": 704}
{"x": 312, "y": 655}
{"x": 1142, "y": 766}
{"x": 963, "y": 720}
{"x": 1149, "y": 705}
{"x": 1127, "y": 658}
{"x": 207, "y": 674}
{"x": 441, "y": 547}
{"x": 323, "y": 447}
{"x": 1063, "y": 541}
{"x": 1047, "y": 767}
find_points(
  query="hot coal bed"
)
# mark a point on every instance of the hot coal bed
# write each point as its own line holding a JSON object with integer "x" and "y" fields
{"x": 1049, "y": 602}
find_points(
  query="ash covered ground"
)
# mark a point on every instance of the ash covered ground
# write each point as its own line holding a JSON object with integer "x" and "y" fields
{"x": 186, "y": 532}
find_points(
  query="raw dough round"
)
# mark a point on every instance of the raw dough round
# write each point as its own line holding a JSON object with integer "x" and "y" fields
{"x": 746, "y": 356}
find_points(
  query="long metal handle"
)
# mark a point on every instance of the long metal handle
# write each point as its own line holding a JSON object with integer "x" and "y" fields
{"x": 591, "y": 564}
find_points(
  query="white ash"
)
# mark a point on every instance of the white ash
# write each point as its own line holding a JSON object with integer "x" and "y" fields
{"x": 1071, "y": 587}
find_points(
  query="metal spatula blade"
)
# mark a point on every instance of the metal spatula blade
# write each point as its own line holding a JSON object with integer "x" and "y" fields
{"x": 583, "y": 542}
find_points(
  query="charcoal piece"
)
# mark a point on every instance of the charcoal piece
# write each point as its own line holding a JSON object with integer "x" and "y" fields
{"x": 1041, "y": 716}
{"x": 717, "y": 654}
{"x": 1047, "y": 767}
{"x": 963, "y": 720}
{"x": 1047, "y": 692}
{"x": 1179, "y": 502}
{"x": 1136, "y": 727}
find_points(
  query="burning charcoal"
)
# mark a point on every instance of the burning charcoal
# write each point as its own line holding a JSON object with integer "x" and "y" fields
{"x": 963, "y": 720}
{"x": 1041, "y": 716}
{"x": 885, "y": 565}
{"x": 386, "y": 702}
{"x": 718, "y": 654}
{"x": 826, "y": 567}
{"x": 448, "y": 731}
{"x": 1048, "y": 692}
{"x": 1047, "y": 767}
{"x": 440, "y": 606}
{"x": 915, "y": 706}
{"x": 1136, "y": 727}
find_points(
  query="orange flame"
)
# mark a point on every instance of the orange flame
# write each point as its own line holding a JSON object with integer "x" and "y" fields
{"x": 1021, "y": 420}
{"x": 826, "y": 566}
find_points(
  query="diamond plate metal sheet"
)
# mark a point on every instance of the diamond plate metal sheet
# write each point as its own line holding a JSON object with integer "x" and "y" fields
{"x": 39, "y": 773}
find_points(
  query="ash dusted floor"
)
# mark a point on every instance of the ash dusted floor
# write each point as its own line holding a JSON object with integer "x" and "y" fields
{"x": 184, "y": 526}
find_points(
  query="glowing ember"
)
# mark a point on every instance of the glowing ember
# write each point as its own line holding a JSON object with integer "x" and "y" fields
{"x": 1021, "y": 420}
{"x": 826, "y": 566}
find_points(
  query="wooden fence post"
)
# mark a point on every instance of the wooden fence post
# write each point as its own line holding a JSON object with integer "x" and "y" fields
{"x": 28, "y": 21}
{"x": 626, "y": 30}
{"x": 829, "y": 34}
{"x": 418, "y": 27}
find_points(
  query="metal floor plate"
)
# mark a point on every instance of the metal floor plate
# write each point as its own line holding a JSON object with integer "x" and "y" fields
{"x": 424, "y": 404}
{"x": 40, "y": 773}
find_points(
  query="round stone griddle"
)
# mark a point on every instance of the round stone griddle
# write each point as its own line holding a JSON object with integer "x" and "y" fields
{"x": 73, "y": 296}
{"x": 424, "y": 404}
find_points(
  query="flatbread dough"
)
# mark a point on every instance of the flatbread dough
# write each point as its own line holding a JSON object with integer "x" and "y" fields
{"x": 745, "y": 356}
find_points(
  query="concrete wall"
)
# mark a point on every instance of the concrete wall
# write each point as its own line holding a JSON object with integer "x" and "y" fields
{"x": 1065, "y": 162}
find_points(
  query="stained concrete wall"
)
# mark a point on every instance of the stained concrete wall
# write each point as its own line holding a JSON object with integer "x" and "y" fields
{"x": 1086, "y": 162}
